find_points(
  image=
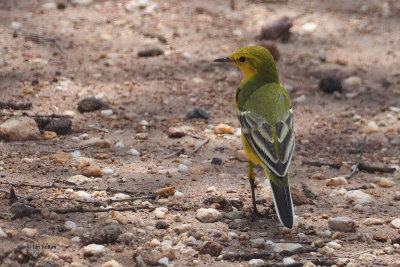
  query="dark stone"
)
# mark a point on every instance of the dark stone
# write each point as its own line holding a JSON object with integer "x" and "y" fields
{"x": 90, "y": 104}
{"x": 61, "y": 6}
{"x": 380, "y": 237}
{"x": 197, "y": 113}
{"x": 396, "y": 240}
{"x": 212, "y": 248}
{"x": 103, "y": 235}
{"x": 61, "y": 126}
{"x": 330, "y": 84}
{"x": 162, "y": 225}
{"x": 152, "y": 52}
{"x": 216, "y": 161}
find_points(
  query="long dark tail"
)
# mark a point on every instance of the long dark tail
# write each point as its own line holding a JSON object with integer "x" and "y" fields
{"x": 283, "y": 204}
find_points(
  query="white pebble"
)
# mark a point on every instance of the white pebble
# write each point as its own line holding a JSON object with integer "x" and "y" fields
{"x": 107, "y": 171}
{"x": 119, "y": 144}
{"x": 288, "y": 261}
{"x": 256, "y": 262}
{"x": 309, "y": 27}
{"x": 182, "y": 168}
{"x": 163, "y": 261}
{"x": 69, "y": 225}
{"x": 178, "y": 195}
{"x": 107, "y": 112}
{"x": 76, "y": 154}
{"x": 334, "y": 245}
{"x": 133, "y": 152}
{"x": 352, "y": 82}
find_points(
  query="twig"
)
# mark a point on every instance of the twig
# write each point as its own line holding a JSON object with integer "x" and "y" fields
{"x": 31, "y": 196}
{"x": 108, "y": 201}
{"x": 8, "y": 193}
{"x": 199, "y": 147}
{"x": 83, "y": 210}
{"x": 359, "y": 160}
{"x": 175, "y": 154}
{"x": 363, "y": 187}
{"x": 35, "y": 115}
{"x": 76, "y": 148}
{"x": 266, "y": 255}
{"x": 195, "y": 136}
{"x": 36, "y": 37}
{"x": 15, "y": 106}
{"x": 108, "y": 189}
{"x": 317, "y": 163}
{"x": 370, "y": 168}
{"x": 359, "y": 253}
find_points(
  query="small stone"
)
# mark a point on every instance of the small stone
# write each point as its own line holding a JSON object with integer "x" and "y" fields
{"x": 342, "y": 224}
{"x": 334, "y": 245}
{"x": 309, "y": 264}
{"x": 358, "y": 197}
{"x": 373, "y": 221}
{"x": 119, "y": 144}
{"x": 81, "y": 2}
{"x": 48, "y": 135}
{"x": 154, "y": 243}
{"x": 133, "y": 152}
{"x": 318, "y": 176}
{"x": 162, "y": 225}
{"x": 20, "y": 129}
{"x": 29, "y": 232}
{"x": 212, "y": 248}
{"x": 151, "y": 52}
{"x": 98, "y": 142}
{"x": 223, "y": 129}
{"x": 380, "y": 237}
{"x": 163, "y": 261}
{"x": 2, "y": 234}
{"x": 300, "y": 99}
{"x": 352, "y": 82}
{"x": 120, "y": 196}
{"x": 396, "y": 240}
{"x": 69, "y": 225}
{"x": 216, "y": 161}
{"x": 91, "y": 171}
{"x": 319, "y": 243}
{"x": 101, "y": 156}
{"x": 371, "y": 127}
{"x": 182, "y": 228}
{"x": 257, "y": 243}
{"x": 256, "y": 262}
{"x": 176, "y": 132}
{"x": 237, "y": 214}
{"x": 83, "y": 195}
{"x": 241, "y": 155}
{"x": 279, "y": 247}
{"x": 178, "y": 195}
{"x": 208, "y": 215}
{"x": 395, "y": 223}
{"x": 197, "y": 113}
{"x": 112, "y": 263}
{"x": 336, "y": 181}
{"x": 330, "y": 84}
{"x": 182, "y": 168}
{"x": 15, "y": 25}
{"x": 78, "y": 179}
{"x": 90, "y": 104}
{"x": 167, "y": 191}
{"x": 337, "y": 235}
{"x": 288, "y": 261}
{"x": 160, "y": 213}
{"x": 93, "y": 250}
{"x": 107, "y": 171}
{"x": 309, "y": 27}
{"x": 196, "y": 170}
{"x": 383, "y": 182}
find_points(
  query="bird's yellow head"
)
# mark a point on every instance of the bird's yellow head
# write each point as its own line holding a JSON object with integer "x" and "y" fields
{"x": 254, "y": 61}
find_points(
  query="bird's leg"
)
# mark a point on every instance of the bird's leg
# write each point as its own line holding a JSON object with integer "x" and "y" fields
{"x": 252, "y": 178}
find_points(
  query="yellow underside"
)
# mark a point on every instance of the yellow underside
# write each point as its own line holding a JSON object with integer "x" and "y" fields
{"x": 250, "y": 154}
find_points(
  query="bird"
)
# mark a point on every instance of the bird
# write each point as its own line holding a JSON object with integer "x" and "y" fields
{"x": 265, "y": 114}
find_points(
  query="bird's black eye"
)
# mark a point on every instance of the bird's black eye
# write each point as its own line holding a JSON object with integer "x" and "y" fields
{"x": 242, "y": 59}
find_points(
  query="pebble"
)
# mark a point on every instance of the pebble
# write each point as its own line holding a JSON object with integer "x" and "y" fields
{"x": 151, "y": 52}
{"x": 161, "y": 225}
{"x": 76, "y": 239}
{"x": 20, "y": 129}
{"x": 318, "y": 176}
{"x": 83, "y": 195}
{"x": 342, "y": 224}
{"x": 241, "y": 155}
{"x": 154, "y": 243}
{"x": 60, "y": 157}
{"x": 160, "y": 213}
{"x": 77, "y": 231}
{"x": 90, "y": 104}
{"x": 98, "y": 142}
{"x": 336, "y": 181}
{"x": 300, "y": 99}
{"x": 182, "y": 168}
{"x": 163, "y": 261}
{"x": 29, "y": 232}
{"x": 107, "y": 171}
{"x": 93, "y": 250}
{"x": 212, "y": 248}
{"x": 78, "y": 179}
{"x": 330, "y": 84}
{"x": 112, "y": 263}
{"x": 236, "y": 214}
{"x": 371, "y": 127}
{"x": 334, "y": 245}
{"x": 197, "y": 113}
{"x": 288, "y": 261}
{"x": 119, "y": 144}
{"x": 76, "y": 154}
{"x": 223, "y": 129}
{"x": 319, "y": 243}
{"x": 2, "y": 234}
{"x": 208, "y": 215}
{"x": 91, "y": 171}
{"x": 279, "y": 247}
{"x": 49, "y": 5}
{"x": 15, "y": 25}
{"x": 257, "y": 243}
{"x": 121, "y": 196}
{"x": 166, "y": 191}
{"x": 81, "y": 2}
{"x": 373, "y": 221}
{"x": 395, "y": 223}
{"x": 383, "y": 182}
{"x": 48, "y": 135}
{"x": 352, "y": 82}
{"x": 69, "y": 225}
{"x": 216, "y": 161}
{"x": 176, "y": 132}
{"x": 133, "y": 152}
{"x": 309, "y": 264}
{"x": 396, "y": 196}
{"x": 256, "y": 262}
{"x": 359, "y": 197}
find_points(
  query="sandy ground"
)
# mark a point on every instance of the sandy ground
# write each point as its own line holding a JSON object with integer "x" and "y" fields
{"x": 99, "y": 58}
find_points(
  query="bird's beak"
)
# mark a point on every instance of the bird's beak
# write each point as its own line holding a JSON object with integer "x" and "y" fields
{"x": 224, "y": 59}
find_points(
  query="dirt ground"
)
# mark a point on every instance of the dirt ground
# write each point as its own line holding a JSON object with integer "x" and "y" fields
{"x": 97, "y": 55}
